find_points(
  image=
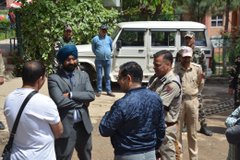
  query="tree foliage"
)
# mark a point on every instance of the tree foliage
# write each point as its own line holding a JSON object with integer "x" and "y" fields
{"x": 195, "y": 9}
{"x": 147, "y": 9}
{"x": 42, "y": 22}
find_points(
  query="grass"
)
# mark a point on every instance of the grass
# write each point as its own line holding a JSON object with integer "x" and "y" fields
{"x": 9, "y": 34}
{"x": 4, "y": 11}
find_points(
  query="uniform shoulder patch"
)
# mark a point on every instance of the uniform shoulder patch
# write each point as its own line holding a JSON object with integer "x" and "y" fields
{"x": 168, "y": 88}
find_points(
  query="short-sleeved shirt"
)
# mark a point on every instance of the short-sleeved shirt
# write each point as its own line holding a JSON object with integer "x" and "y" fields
{"x": 199, "y": 57}
{"x": 34, "y": 138}
{"x": 191, "y": 78}
{"x": 102, "y": 47}
{"x": 169, "y": 89}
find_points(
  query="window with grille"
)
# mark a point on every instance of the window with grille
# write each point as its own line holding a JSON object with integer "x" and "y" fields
{"x": 217, "y": 21}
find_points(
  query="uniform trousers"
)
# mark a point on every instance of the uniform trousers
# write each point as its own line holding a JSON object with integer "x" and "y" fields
{"x": 189, "y": 116}
{"x": 169, "y": 148}
{"x": 202, "y": 112}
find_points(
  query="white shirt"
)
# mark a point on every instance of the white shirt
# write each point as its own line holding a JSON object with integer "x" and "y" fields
{"x": 34, "y": 138}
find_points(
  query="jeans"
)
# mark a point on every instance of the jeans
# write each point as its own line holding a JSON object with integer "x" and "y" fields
{"x": 140, "y": 156}
{"x": 106, "y": 65}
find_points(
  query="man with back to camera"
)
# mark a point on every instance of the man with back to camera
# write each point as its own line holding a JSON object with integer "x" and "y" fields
{"x": 39, "y": 123}
{"x": 168, "y": 86}
{"x": 191, "y": 77}
{"x": 102, "y": 48}
{"x": 71, "y": 90}
{"x": 135, "y": 122}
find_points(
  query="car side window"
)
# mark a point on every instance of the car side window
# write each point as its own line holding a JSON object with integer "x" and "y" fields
{"x": 163, "y": 38}
{"x": 200, "y": 39}
{"x": 132, "y": 38}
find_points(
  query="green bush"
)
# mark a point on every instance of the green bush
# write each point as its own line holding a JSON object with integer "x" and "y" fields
{"x": 42, "y": 22}
{"x": 5, "y": 24}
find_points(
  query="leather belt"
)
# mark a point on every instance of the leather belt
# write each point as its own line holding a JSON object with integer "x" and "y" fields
{"x": 189, "y": 97}
{"x": 169, "y": 124}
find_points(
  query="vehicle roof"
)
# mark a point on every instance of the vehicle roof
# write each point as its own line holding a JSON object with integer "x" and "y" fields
{"x": 162, "y": 24}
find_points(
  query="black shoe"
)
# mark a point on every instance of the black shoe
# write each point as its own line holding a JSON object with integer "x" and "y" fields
{"x": 2, "y": 127}
{"x": 98, "y": 94}
{"x": 111, "y": 94}
{"x": 205, "y": 130}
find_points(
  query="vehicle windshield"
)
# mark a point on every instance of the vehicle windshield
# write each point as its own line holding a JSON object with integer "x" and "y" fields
{"x": 200, "y": 39}
{"x": 115, "y": 32}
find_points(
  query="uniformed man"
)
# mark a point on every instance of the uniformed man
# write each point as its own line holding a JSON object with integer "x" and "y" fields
{"x": 234, "y": 86}
{"x": 62, "y": 41}
{"x": 67, "y": 37}
{"x": 2, "y": 69}
{"x": 191, "y": 78}
{"x": 167, "y": 85}
{"x": 199, "y": 57}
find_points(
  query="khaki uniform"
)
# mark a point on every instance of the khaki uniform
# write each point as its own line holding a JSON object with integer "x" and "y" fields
{"x": 169, "y": 89}
{"x": 191, "y": 83}
{"x": 198, "y": 57}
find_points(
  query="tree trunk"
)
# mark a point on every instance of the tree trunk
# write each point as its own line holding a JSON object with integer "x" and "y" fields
{"x": 225, "y": 38}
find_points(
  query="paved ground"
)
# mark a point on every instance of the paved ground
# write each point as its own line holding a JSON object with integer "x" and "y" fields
{"x": 210, "y": 148}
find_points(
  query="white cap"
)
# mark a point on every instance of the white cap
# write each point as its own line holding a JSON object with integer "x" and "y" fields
{"x": 187, "y": 51}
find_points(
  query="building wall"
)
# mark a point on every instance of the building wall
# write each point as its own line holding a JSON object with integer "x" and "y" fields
{"x": 217, "y": 30}
{"x": 8, "y": 2}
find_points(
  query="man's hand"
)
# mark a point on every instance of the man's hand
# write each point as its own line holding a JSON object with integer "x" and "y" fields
{"x": 1, "y": 80}
{"x": 66, "y": 95}
{"x": 158, "y": 155}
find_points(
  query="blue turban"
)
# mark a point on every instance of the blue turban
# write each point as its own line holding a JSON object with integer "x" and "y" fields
{"x": 65, "y": 51}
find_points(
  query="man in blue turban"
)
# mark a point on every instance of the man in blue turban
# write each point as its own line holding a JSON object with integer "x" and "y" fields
{"x": 71, "y": 90}
{"x": 65, "y": 51}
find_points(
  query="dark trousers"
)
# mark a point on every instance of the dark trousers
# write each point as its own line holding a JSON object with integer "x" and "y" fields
{"x": 79, "y": 139}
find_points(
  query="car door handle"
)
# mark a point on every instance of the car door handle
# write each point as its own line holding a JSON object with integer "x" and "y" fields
{"x": 140, "y": 50}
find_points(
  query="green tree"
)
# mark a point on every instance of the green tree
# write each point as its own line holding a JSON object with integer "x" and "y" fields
{"x": 224, "y": 7}
{"x": 147, "y": 9}
{"x": 42, "y": 21}
{"x": 195, "y": 9}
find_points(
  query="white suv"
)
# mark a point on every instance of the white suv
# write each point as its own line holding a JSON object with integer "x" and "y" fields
{"x": 138, "y": 41}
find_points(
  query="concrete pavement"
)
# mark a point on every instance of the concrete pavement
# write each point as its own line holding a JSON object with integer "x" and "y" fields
{"x": 210, "y": 148}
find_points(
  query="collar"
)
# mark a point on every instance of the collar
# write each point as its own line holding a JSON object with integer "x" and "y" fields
{"x": 134, "y": 89}
{"x": 164, "y": 78}
{"x": 69, "y": 73}
{"x": 188, "y": 69}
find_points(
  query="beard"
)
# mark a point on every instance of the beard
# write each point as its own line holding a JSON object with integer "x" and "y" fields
{"x": 70, "y": 67}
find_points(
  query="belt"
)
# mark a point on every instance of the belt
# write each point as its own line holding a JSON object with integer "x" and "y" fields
{"x": 189, "y": 97}
{"x": 169, "y": 124}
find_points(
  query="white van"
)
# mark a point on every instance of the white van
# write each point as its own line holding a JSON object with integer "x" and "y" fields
{"x": 138, "y": 41}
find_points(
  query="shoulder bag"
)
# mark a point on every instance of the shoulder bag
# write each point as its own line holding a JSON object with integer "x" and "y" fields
{"x": 6, "y": 155}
